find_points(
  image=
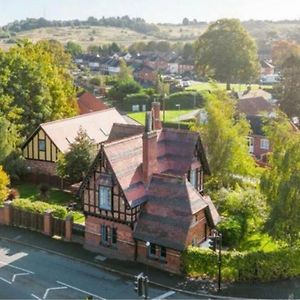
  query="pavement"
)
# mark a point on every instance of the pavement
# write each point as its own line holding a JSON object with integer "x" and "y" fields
{"x": 128, "y": 269}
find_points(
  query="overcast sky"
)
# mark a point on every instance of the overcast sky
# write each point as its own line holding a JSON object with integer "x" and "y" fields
{"x": 172, "y": 11}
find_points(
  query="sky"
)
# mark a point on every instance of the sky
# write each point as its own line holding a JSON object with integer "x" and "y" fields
{"x": 164, "y": 11}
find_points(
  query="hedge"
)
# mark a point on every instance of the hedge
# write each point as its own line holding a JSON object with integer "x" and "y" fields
{"x": 136, "y": 99}
{"x": 243, "y": 266}
{"x": 40, "y": 207}
{"x": 187, "y": 100}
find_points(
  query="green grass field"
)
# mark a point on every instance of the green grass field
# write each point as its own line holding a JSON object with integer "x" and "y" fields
{"x": 171, "y": 115}
{"x": 258, "y": 242}
{"x": 204, "y": 86}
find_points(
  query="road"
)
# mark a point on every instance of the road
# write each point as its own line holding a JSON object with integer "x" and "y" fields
{"x": 28, "y": 273}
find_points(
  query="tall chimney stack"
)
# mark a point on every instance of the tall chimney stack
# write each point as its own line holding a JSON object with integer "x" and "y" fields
{"x": 156, "y": 116}
{"x": 149, "y": 150}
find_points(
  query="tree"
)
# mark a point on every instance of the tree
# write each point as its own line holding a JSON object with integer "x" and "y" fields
{"x": 161, "y": 88}
{"x": 74, "y": 164}
{"x": 4, "y": 182}
{"x": 226, "y": 141}
{"x": 290, "y": 86}
{"x": 123, "y": 88}
{"x": 283, "y": 49}
{"x": 36, "y": 81}
{"x": 73, "y": 49}
{"x": 125, "y": 73}
{"x": 185, "y": 21}
{"x": 280, "y": 182}
{"x": 227, "y": 53}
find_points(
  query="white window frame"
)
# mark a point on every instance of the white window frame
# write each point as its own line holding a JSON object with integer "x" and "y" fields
{"x": 104, "y": 197}
{"x": 264, "y": 144}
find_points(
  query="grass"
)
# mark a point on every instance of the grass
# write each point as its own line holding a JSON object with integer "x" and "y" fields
{"x": 204, "y": 86}
{"x": 258, "y": 242}
{"x": 171, "y": 115}
{"x": 55, "y": 196}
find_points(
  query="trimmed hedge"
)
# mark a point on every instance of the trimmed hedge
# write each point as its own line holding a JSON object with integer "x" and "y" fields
{"x": 136, "y": 99}
{"x": 40, "y": 207}
{"x": 243, "y": 266}
{"x": 187, "y": 100}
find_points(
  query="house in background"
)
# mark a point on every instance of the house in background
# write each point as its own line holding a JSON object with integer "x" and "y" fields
{"x": 267, "y": 68}
{"x": 41, "y": 149}
{"x": 144, "y": 196}
{"x": 88, "y": 103}
{"x": 256, "y": 94}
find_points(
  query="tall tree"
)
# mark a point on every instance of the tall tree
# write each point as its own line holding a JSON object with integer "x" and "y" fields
{"x": 280, "y": 182}
{"x": 125, "y": 73}
{"x": 74, "y": 164}
{"x": 283, "y": 49}
{"x": 73, "y": 49}
{"x": 226, "y": 52}
{"x": 290, "y": 86}
{"x": 226, "y": 140}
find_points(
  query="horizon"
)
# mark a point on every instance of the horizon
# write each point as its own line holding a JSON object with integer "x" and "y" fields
{"x": 147, "y": 9}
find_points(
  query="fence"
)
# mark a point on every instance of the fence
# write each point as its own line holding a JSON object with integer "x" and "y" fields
{"x": 30, "y": 220}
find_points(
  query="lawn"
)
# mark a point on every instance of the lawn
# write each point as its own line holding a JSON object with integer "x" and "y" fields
{"x": 55, "y": 196}
{"x": 204, "y": 86}
{"x": 171, "y": 115}
{"x": 258, "y": 242}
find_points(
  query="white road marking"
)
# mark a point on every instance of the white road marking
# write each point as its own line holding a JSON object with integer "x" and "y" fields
{"x": 3, "y": 279}
{"x": 165, "y": 295}
{"x": 15, "y": 267}
{"x": 82, "y": 291}
{"x": 36, "y": 297}
{"x": 19, "y": 274}
{"x": 54, "y": 288}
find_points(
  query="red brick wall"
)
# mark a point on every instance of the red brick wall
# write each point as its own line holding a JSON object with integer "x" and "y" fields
{"x": 125, "y": 247}
{"x": 39, "y": 166}
{"x": 257, "y": 151}
{"x": 198, "y": 231}
{"x": 172, "y": 263}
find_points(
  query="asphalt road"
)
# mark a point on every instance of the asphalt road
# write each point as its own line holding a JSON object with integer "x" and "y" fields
{"x": 27, "y": 273}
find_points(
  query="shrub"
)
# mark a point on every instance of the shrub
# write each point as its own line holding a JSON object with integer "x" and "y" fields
{"x": 4, "y": 182}
{"x": 187, "y": 100}
{"x": 40, "y": 207}
{"x": 13, "y": 194}
{"x": 243, "y": 266}
{"x": 14, "y": 165}
{"x": 44, "y": 190}
{"x": 136, "y": 99}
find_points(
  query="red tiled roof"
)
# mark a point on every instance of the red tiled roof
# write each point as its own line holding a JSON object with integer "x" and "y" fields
{"x": 89, "y": 103}
{"x": 254, "y": 106}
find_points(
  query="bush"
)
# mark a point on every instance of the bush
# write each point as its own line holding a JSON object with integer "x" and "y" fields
{"x": 187, "y": 100}
{"x": 136, "y": 99}
{"x": 4, "y": 182}
{"x": 14, "y": 165}
{"x": 243, "y": 266}
{"x": 44, "y": 190}
{"x": 13, "y": 194}
{"x": 40, "y": 207}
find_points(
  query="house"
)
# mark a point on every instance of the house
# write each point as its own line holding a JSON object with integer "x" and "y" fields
{"x": 255, "y": 106}
{"x": 255, "y": 94}
{"x": 88, "y": 103}
{"x": 267, "y": 68}
{"x": 144, "y": 197}
{"x": 145, "y": 74}
{"x": 42, "y": 148}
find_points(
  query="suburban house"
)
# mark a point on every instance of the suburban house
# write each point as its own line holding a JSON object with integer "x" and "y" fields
{"x": 144, "y": 197}
{"x": 267, "y": 68}
{"x": 255, "y": 94}
{"x": 88, "y": 103}
{"x": 42, "y": 147}
{"x": 145, "y": 74}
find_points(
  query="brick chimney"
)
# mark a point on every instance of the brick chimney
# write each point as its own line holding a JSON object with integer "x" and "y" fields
{"x": 156, "y": 115}
{"x": 149, "y": 150}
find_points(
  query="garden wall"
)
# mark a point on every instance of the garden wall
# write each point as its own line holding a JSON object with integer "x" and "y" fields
{"x": 243, "y": 266}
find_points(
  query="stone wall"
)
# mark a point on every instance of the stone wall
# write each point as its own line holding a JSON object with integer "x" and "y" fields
{"x": 40, "y": 166}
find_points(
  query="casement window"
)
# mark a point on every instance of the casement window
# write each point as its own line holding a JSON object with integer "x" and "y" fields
{"x": 152, "y": 249}
{"x": 264, "y": 144}
{"x": 108, "y": 235}
{"x": 157, "y": 252}
{"x": 193, "y": 178}
{"x": 42, "y": 145}
{"x": 163, "y": 252}
{"x": 105, "y": 197}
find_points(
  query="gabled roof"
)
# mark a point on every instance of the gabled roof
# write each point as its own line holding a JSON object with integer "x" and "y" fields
{"x": 121, "y": 131}
{"x": 255, "y": 94}
{"x": 88, "y": 103}
{"x": 97, "y": 125}
{"x": 254, "y": 106}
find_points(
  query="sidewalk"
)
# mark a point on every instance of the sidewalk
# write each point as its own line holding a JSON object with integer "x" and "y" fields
{"x": 124, "y": 268}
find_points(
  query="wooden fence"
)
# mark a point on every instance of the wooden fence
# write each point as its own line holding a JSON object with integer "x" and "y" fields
{"x": 25, "y": 219}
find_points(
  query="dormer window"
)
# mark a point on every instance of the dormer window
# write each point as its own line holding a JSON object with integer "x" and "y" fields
{"x": 105, "y": 197}
{"x": 193, "y": 178}
{"x": 196, "y": 178}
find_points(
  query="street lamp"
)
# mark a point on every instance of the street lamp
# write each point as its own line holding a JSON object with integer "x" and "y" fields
{"x": 178, "y": 106}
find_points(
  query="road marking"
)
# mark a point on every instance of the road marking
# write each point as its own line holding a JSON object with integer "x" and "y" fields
{"x": 19, "y": 274}
{"x": 3, "y": 279}
{"x": 82, "y": 291}
{"x": 165, "y": 295}
{"x": 15, "y": 267}
{"x": 54, "y": 288}
{"x": 36, "y": 297}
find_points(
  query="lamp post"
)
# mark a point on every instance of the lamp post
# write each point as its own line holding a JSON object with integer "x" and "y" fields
{"x": 178, "y": 106}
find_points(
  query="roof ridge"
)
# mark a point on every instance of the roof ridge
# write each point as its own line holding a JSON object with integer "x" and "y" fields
{"x": 130, "y": 125}
{"x": 79, "y": 116}
{"x": 122, "y": 140}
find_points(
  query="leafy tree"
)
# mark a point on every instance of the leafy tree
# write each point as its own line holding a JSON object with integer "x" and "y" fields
{"x": 226, "y": 141}
{"x": 14, "y": 165}
{"x": 125, "y": 73}
{"x": 161, "y": 88}
{"x": 290, "y": 86}
{"x": 36, "y": 84}
{"x": 123, "y": 88}
{"x": 73, "y": 49}
{"x": 227, "y": 53}
{"x": 188, "y": 52}
{"x": 280, "y": 182}
{"x": 74, "y": 164}
{"x": 283, "y": 49}
{"x": 4, "y": 182}
{"x": 185, "y": 22}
